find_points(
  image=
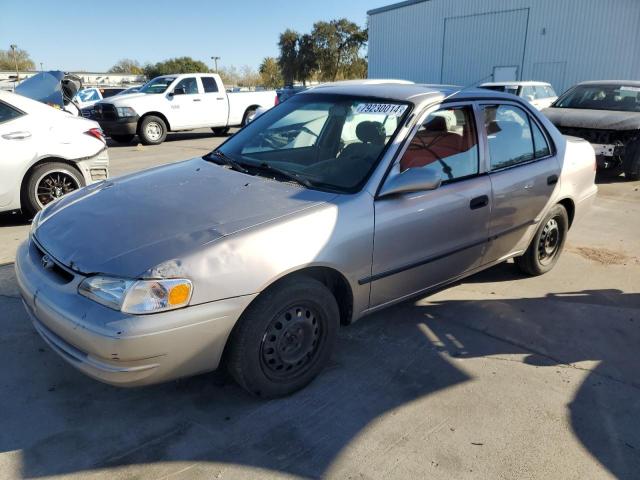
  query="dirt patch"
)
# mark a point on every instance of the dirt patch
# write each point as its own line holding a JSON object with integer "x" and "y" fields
{"x": 604, "y": 256}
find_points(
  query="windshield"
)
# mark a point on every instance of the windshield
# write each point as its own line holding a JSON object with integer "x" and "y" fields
{"x": 157, "y": 85}
{"x": 329, "y": 141}
{"x": 622, "y": 98}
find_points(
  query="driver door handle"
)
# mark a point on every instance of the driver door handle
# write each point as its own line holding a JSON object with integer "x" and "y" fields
{"x": 479, "y": 202}
{"x": 197, "y": 100}
{"x": 16, "y": 135}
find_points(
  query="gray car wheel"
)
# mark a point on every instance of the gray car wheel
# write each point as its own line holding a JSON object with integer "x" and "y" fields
{"x": 547, "y": 243}
{"x": 284, "y": 338}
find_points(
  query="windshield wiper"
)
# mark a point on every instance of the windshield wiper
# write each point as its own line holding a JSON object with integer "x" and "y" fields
{"x": 226, "y": 160}
{"x": 283, "y": 173}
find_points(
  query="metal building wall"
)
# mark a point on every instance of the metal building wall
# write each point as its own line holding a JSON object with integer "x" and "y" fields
{"x": 460, "y": 41}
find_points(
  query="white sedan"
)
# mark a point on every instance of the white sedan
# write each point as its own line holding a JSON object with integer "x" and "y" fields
{"x": 46, "y": 153}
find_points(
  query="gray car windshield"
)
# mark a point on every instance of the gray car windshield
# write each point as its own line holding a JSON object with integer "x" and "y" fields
{"x": 157, "y": 85}
{"x": 623, "y": 98}
{"x": 330, "y": 141}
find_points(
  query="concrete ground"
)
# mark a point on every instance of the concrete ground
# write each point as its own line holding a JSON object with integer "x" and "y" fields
{"x": 501, "y": 376}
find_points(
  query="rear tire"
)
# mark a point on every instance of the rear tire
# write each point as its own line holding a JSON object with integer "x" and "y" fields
{"x": 220, "y": 131}
{"x": 247, "y": 114}
{"x": 122, "y": 138}
{"x": 284, "y": 338}
{"x": 46, "y": 183}
{"x": 152, "y": 130}
{"x": 547, "y": 244}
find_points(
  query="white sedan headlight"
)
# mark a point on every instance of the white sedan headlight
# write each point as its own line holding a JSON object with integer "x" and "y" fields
{"x": 138, "y": 296}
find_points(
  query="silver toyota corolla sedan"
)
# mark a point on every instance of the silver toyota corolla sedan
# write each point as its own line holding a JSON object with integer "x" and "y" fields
{"x": 341, "y": 201}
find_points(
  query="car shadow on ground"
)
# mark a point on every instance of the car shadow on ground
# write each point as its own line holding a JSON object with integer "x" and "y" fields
{"x": 603, "y": 178}
{"x": 62, "y": 422}
{"x": 13, "y": 219}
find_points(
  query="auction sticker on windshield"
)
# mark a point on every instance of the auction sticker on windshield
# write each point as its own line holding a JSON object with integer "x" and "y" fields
{"x": 391, "y": 109}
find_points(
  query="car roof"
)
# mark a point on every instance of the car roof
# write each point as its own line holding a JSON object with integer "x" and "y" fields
{"x": 515, "y": 83}
{"x": 404, "y": 91}
{"x": 630, "y": 83}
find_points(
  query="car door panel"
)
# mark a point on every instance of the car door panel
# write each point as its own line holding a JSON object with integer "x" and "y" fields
{"x": 424, "y": 239}
{"x": 214, "y": 103}
{"x": 187, "y": 108}
{"x": 521, "y": 184}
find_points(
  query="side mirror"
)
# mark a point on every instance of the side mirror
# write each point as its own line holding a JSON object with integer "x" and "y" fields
{"x": 179, "y": 91}
{"x": 411, "y": 180}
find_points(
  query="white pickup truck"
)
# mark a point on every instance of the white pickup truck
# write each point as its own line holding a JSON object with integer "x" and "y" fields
{"x": 177, "y": 102}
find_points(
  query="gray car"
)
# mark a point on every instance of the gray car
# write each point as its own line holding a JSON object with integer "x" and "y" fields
{"x": 341, "y": 201}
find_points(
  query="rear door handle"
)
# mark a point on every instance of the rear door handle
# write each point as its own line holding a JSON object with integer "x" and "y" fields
{"x": 552, "y": 179}
{"x": 197, "y": 100}
{"x": 219, "y": 98}
{"x": 16, "y": 135}
{"x": 479, "y": 202}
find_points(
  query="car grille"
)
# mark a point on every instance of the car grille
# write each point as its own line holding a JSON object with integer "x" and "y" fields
{"x": 104, "y": 111}
{"x": 49, "y": 264}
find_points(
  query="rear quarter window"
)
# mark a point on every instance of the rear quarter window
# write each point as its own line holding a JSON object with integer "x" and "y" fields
{"x": 8, "y": 113}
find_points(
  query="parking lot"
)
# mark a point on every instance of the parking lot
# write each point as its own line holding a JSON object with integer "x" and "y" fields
{"x": 500, "y": 376}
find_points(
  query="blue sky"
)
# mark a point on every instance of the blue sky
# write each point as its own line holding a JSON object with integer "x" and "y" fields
{"x": 93, "y": 36}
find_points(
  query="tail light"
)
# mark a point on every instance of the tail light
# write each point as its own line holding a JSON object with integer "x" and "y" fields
{"x": 277, "y": 101}
{"x": 96, "y": 133}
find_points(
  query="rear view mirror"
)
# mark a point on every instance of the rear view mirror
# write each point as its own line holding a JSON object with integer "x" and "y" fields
{"x": 411, "y": 180}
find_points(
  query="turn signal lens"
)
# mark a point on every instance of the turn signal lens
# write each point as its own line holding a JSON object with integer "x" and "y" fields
{"x": 179, "y": 294}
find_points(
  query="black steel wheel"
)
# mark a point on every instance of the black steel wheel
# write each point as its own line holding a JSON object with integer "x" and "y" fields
{"x": 547, "y": 244}
{"x": 284, "y": 338}
{"x": 290, "y": 342}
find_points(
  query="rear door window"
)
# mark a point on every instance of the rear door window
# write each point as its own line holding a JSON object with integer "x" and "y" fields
{"x": 509, "y": 135}
{"x": 209, "y": 84}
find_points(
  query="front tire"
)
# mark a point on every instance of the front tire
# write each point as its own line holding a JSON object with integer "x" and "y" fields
{"x": 547, "y": 243}
{"x": 284, "y": 339}
{"x": 245, "y": 119}
{"x": 152, "y": 130}
{"x": 46, "y": 183}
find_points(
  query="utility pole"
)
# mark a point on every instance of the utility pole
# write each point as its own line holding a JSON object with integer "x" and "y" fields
{"x": 40, "y": 66}
{"x": 15, "y": 59}
{"x": 215, "y": 63}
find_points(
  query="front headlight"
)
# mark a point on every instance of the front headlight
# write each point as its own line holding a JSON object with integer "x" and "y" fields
{"x": 138, "y": 296}
{"x": 124, "y": 112}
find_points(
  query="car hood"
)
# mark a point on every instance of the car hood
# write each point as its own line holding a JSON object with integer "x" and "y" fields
{"x": 127, "y": 226}
{"x": 132, "y": 99}
{"x": 600, "y": 119}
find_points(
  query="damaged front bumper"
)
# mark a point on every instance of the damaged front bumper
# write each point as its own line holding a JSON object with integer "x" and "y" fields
{"x": 114, "y": 347}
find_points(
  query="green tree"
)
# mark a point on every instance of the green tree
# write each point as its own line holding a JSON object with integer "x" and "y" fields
{"x": 337, "y": 45}
{"x": 288, "y": 59}
{"x": 126, "y": 65}
{"x": 7, "y": 62}
{"x": 270, "y": 74}
{"x": 307, "y": 62}
{"x": 229, "y": 75}
{"x": 175, "y": 65}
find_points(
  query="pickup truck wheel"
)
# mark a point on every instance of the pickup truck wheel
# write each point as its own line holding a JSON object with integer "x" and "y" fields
{"x": 284, "y": 339}
{"x": 247, "y": 114}
{"x": 220, "y": 131}
{"x": 47, "y": 183}
{"x": 152, "y": 130}
{"x": 122, "y": 138}
{"x": 547, "y": 243}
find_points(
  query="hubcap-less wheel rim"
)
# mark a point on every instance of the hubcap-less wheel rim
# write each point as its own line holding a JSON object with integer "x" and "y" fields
{"x": 291, "y": 342}
{"x": 153, "y": 131}
{"x": 54, "y": 185}
{"x": 549, "y": 242}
